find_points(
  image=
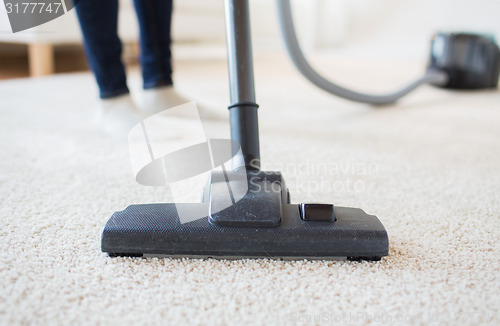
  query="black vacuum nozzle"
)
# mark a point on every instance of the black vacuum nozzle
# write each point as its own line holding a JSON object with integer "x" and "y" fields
{"x": 310, "y": 231}
{"x": 471, "y": 61}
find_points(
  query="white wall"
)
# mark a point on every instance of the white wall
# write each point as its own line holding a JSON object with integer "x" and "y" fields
{"x": 400, "y": 27}
{"x": 404, "y": 25}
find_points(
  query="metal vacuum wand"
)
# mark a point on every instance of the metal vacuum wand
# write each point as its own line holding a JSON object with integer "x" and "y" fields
{"x": 243, "y": 115}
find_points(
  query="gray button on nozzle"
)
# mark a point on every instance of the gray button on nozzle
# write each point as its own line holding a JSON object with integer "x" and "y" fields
{"x": 317, "y": 212}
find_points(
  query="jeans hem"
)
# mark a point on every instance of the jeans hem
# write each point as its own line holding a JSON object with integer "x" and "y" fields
{"x": 155, "y": 84}
{"x": 110, "y": 94}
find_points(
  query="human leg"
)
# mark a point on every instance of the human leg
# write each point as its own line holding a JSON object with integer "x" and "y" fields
{"x": 103, "y": 48}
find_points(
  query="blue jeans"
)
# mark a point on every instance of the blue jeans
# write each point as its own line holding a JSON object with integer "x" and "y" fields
{"x": 99, "y": 20}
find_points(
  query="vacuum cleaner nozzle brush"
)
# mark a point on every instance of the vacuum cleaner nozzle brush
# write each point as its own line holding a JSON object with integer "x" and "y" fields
{"x": 311, "y": 231}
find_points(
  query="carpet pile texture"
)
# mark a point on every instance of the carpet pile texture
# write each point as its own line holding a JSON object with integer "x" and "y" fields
{"x": 428, "y": 167}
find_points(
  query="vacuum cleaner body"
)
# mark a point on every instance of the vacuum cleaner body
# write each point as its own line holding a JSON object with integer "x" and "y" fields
{"x": 471, "y": 61}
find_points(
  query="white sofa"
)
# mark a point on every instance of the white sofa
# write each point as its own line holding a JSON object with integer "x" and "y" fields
{"x": 193, "y": 20}
{"x": 206, "y": 15}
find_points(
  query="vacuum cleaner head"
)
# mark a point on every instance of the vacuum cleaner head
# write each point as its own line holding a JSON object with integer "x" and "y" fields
{"x": 264, "y": 225}
{"x": 155, "y": 229}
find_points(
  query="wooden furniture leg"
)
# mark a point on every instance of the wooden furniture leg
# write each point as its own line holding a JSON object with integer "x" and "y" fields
{"x": 41, "y": 59}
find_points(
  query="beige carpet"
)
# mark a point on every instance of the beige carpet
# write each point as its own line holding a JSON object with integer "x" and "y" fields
{"x": 428, "y": 167}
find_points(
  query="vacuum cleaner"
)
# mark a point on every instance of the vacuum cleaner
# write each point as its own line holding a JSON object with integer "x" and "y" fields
{"x": 246, "y": 212}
